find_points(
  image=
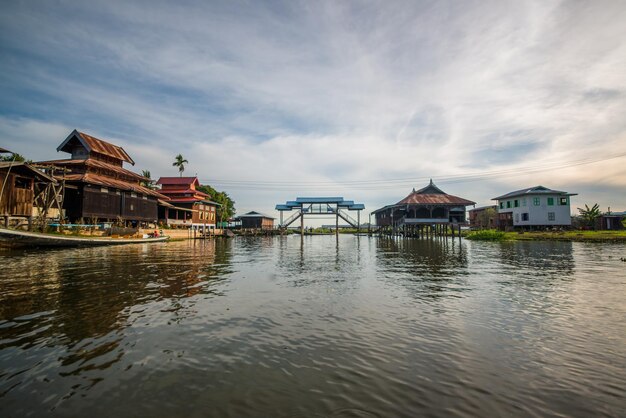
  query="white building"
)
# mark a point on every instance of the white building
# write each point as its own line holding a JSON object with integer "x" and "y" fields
{"x": 533, "y": 207}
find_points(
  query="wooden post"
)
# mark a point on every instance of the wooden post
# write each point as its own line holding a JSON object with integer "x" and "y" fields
{"x": 337, "y": 221}
{"x": 358, "y": 221}
{"x": 301, "y": 223}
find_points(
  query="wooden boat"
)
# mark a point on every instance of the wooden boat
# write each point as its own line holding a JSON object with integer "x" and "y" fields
{"x": 13, "y": 239}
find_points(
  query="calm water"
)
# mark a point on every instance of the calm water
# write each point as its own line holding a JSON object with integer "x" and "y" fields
{"x": 279, "y": 327}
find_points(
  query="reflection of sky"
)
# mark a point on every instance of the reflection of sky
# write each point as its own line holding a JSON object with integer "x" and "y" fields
{"x": 325, "y": 92}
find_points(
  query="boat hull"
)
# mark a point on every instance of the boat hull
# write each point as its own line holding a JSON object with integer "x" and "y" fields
{"x": 19, "y": 239}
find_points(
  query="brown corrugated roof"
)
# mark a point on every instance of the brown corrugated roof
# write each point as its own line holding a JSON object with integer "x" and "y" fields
{"x": 90, "y": 162}
{"x": 109, "y": 182}
{"x": 433, "y": 195}
{"x": 97, "y": 145}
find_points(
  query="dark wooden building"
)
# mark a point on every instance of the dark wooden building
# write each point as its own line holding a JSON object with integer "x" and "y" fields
{"x": 98, "y": 187}
{"x": 425, "y": 207}
{"x": 192, "y": 208}
{"x": 256, "y": 220}
{"x": 20, "y": 183}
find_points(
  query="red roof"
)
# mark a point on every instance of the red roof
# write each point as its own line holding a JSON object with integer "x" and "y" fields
{"x": 188, "y": 200}
{"x": 93, "y": 144}
{"x": 183, "y": 191}
{"x": 179, "y": 181}
{"x": 433, "y": 195}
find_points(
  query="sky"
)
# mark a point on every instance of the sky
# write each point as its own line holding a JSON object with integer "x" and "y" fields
{"x": 361, "y": 99}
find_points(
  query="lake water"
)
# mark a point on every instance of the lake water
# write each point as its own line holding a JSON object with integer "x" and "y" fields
{"x": 319, "y": 327}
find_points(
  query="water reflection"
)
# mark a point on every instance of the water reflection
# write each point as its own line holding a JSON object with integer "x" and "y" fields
{"x": 428, "y": 269}
{"x": 83, "y": 300}
{"x": 544, "y": 258}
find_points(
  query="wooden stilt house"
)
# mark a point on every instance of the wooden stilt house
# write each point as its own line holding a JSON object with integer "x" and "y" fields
{"x": 97, "y": 186}
{"x": 429, "y": 206}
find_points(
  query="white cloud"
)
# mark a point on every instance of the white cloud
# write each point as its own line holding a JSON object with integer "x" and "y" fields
{"x": 323, "y": 92}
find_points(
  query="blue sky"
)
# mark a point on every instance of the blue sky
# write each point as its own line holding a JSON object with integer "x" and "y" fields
{"x": 269, "y": 100}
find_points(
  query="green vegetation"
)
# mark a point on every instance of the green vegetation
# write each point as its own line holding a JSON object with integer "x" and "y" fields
{"x": 617, "y": 236}
{"x": 589, "y": 215}
{"x": 487, "y": 235}
{"x": 227, "y": 208}
{"x": 147, "y": 183}
{"x": 180, "y": 162}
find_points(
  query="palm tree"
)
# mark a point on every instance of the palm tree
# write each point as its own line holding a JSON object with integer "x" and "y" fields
{"x": 180, "y": 163}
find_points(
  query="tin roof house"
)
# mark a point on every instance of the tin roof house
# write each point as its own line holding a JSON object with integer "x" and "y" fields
{"x": 534, "y": 207}
{"x": 427, "y": 206}
{"x": 192, "y": 209}
{"x": 97, "y": 186}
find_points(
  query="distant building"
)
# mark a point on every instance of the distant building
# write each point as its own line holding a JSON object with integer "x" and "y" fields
{"x": 534, "y": 207}
{"x": 484, "y": 217}
{"x": 611, "y": 221}
{"x": 256, "y": 220}
{"x": 427, "y": 206}
{"x": 98, "y": 187}
{"x": 190, "y": 208}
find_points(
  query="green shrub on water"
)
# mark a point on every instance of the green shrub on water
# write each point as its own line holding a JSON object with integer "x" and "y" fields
{"x": 487, "y": 235}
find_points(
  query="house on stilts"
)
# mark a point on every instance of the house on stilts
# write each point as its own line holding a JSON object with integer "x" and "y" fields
{"x": 423, "y": 212}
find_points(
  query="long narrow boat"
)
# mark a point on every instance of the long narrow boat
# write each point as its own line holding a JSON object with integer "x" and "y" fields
{"x": 15, "y": 239}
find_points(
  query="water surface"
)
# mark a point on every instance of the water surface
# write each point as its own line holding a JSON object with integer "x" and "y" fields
{"x": 320, "y": 327}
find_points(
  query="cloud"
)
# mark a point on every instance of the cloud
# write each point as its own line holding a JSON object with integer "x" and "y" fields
{"x": 323, "y": 94}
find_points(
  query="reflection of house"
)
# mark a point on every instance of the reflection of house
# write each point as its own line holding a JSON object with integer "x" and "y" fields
{"x": 97, "y": 186}
{"x": 19, "y": 185}
{"x": 484, "y": 217}
{"x": 192, "y": 208}
{"x": 535, "y": 206}
{"x": 256, "y": 220}
{"x": 426, "y": 206}
{"x": 611, "y": 221}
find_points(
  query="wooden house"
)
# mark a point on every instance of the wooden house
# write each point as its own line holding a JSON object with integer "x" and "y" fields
{"x": 98, "y": 187}
{"x": 612, "y": 221}
{"x": 256, "y": 220}
{"x": 534, "y": 207}
{"x": 424, "y": 207}
{"x": 20, "y": 183}
{"x": 484, "y": 217}
{"x": 192, "y": 208}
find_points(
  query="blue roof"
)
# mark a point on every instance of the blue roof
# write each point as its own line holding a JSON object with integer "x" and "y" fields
{"x": 357, "y": 206}
{"x": 346, "y": 203}
{"x": 283, "y": 207}
{"x": 319, "y": 199}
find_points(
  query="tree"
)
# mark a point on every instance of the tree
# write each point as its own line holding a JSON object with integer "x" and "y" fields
{"x": 589, "y": 215}
{"x": 227, "y": 206}
{"x": 180, "y": 163}
{"x": 13, "y": 157}
{"x": 147, "y": 183}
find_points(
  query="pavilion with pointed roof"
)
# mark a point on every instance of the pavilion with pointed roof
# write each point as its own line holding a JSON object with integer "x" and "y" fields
{"x": 427, "y": 206}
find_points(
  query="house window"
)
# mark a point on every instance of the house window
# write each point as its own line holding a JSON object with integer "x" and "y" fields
{"x": 104, "y": 190}
{"x": 551, "y": 216}
{"x": 536, "y": 201}
{"x": 501, "y": 205}
{"x": 22, "y": 183}
{"x": 550, "y": 201}
{"x": 132, "y": 207}
{"x": 524, "y": 202}
{"x": 516, "y": 203}
{"x": 133, "y": 194}
{"x": 508, "y": 204}
{"x": 117, "y": 192}
{"x": 144, "y": 197}
{"x": 563, "y": 201}
{"x": 516, "y": 217}
{"x": 524, "y": 216}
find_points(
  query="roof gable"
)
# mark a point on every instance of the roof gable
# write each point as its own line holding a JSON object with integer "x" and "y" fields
{"x": 179, "y": 181}
{"x": 433, "y": 195}
{"x": 93, "y": 144}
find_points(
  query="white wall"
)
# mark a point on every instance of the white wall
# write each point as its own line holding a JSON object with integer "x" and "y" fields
{"x": 538, "y": 215}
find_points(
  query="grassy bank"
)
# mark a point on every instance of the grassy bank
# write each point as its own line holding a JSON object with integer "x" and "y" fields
{"x": 592, "y": 236}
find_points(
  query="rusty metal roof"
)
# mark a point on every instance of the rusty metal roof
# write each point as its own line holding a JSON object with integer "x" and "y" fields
{"x": 26, "y": 169}
{"x": 93, "y": 144}
{"x": 115, "y": 183}
{"x": 90, "y": 162}
{"x": 433, "y": 195}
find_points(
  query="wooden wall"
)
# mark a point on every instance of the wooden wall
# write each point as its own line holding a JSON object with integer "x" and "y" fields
{"x": 18, "y": 195}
